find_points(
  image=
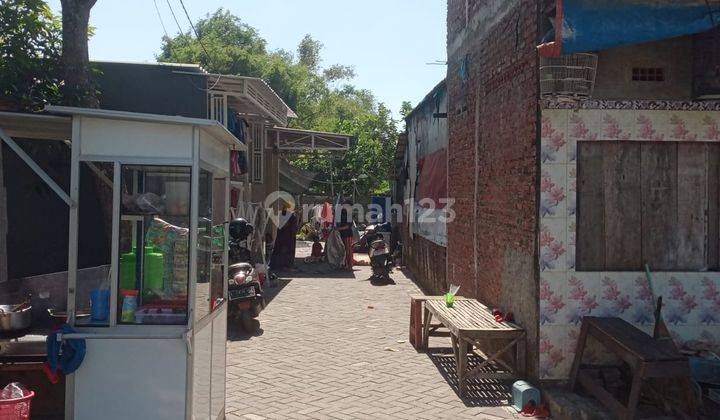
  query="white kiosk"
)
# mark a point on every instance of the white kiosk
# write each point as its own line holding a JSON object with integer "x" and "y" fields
{"x": 160, "y": 352}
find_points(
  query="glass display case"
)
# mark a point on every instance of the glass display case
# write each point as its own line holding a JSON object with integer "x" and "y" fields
{"x": 154, "y": 235}
{"x": 159, "y": 346}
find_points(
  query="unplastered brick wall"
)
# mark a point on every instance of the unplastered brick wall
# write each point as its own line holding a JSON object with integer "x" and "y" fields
{"x": 492, "y": 156}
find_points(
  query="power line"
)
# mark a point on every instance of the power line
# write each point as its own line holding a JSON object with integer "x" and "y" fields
{"x": 187, "y": 15}
{"x": 192, "y": 25}
{"x": 161, "y": 20}
{"x": 172, "y": 12}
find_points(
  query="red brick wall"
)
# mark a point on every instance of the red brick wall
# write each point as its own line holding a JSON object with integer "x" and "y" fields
{"x": 492, "y": 251}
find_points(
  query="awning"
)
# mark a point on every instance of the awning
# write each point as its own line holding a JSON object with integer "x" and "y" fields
{"x": 251, "y": 96}
{"x": 59, "y": 127}
{"x": 295, "y": 180}
{"x": 592, "y": 25}
{"x": 36, "y": 126}
{"x": 212, "y": 127}
{"x": 308, "y": 140}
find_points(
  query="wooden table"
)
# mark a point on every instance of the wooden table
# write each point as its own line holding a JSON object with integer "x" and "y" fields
{"x": 471, "y": 326}
{"x": 647, "y": 357}
{"x": 417, "y": 303}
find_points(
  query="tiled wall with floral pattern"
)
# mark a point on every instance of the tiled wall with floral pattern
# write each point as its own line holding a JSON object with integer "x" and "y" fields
{"x": 691, "y": 300}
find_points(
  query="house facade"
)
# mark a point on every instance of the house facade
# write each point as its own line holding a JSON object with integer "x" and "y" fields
{"x": 575, "y": 164}
{"x": 170, "y": 89}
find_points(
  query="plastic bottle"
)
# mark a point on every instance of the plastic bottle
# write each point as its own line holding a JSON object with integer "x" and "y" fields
{"x": 129, "y": 305}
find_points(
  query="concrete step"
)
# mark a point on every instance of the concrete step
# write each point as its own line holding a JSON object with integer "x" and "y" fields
{"x": 565, "y": 405}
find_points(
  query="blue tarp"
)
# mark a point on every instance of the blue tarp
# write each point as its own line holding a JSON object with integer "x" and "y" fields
{"x": 592, "y": 25}
{"x": 379, "y": 214}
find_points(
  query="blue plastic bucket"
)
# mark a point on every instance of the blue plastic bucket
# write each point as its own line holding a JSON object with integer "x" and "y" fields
{"x": 99, "y": 304}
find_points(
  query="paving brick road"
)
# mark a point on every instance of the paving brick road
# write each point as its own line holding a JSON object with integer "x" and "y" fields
{"x": 335, "y": 347}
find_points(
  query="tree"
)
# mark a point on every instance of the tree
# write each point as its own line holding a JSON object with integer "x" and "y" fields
{"x": 309, "y": 53}
{"x": 405, "y": 109}
{"x": 311, "y": 90}
{"x": 30, "y": 40}
{"x": 77, "y": 88}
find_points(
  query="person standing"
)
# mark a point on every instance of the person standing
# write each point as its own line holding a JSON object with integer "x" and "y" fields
{"x": 283, "y": 255}
{"x": 344, "y": 226}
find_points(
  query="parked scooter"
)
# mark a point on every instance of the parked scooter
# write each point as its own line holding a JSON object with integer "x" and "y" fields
{"x": 245, "y": 292}
{"x": 369, "y": 234}
{"x": 381, "y": 260}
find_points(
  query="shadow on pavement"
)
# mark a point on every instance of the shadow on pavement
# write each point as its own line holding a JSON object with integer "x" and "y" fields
{"x": 480, "y": 392}
{"x": 380, "y": 283}
{"x": 271, "y": 292}
{"x": 314, "y": 270}
{"x": 235, "y": 330}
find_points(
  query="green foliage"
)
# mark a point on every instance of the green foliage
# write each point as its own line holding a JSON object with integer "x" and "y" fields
{"x": 30, "y": 46}
{"x": 322, "y": 98}
{"x": 405, "y": 109}
{"x": 306, "y": 232}
{"x": 309, "y": 53}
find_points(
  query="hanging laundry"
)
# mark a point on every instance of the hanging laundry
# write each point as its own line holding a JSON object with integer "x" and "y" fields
{"x": 240, "y": 129}
{"x": 236, "y": 125}
{"x": 234, "y": 166}
{"x": 230, "y": 118}
{"x": 242, "y": 163}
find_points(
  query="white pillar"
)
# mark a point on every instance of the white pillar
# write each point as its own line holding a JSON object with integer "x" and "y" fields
{"x": 3, "y": 223}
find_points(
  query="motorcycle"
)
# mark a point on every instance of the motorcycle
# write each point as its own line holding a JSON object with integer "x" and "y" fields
{"x": 369, "y": 234}
{"x": 245, "y": 284}
{"x": 245, "y": 295}
{"x": 381, "y": 261}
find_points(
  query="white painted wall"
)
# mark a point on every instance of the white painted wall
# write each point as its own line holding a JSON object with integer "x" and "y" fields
{"x": 3, "y": 223}
{"x": 213, "y": 152}
{"x": 219, "y": 340}
{"x": 202, "y": 366}
{"x": 105, "y": 137}
{"x": 132, "y": 379}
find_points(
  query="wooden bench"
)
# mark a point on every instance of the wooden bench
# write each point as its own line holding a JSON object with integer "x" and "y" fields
{"x": 471, "y": 325}
{"x": 416, "y": 320}
{"x": 647, "y": 357}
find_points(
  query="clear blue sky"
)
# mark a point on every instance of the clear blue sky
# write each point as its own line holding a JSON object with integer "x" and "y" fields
{"x": 388, "y": 42}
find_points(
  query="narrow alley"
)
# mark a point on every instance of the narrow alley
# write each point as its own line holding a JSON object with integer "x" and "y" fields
{"x": 334, "y": 346}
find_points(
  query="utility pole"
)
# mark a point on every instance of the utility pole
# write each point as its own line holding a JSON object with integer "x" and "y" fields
{"x": 354, "y": 182}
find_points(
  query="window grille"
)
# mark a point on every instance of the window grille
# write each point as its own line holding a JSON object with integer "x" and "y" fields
{"x": 257, "y": 160}
{"x": 217, "y": 108}
{"x": 648, "y": 74}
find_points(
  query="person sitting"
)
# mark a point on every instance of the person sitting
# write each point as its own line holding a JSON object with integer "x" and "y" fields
{"x": 317, "y": 254}
{"x": 317, "y": 248}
